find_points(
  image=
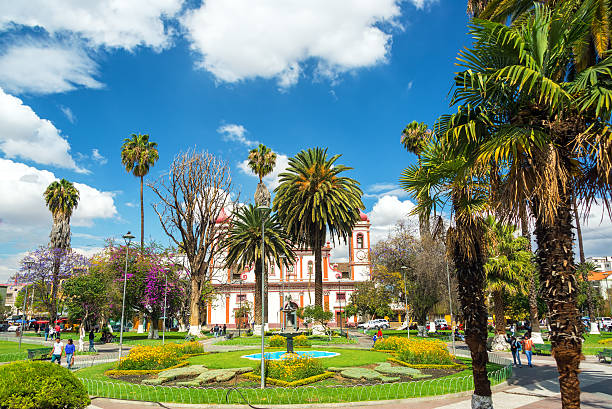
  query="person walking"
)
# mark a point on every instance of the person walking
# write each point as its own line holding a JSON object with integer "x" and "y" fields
{"x": 528, "y": 347}
{"x": 379, "y": 334}
{"x": 69, "y": 350}
{"x": 57, "y": 351}
{"x": 374, "y": 338}
{"x": 224, "y": 330}
{"x": 91, "y": 341}
{"x": 515, "y": 347}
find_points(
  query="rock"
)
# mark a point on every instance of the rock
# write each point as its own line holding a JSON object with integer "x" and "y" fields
{"x": 318, "y": 330}
{"x": 363, "y": 373}
{"x": 172, "y": 374}
{"x": 499, "y": 343}
{"x": 482, "y": 402}
{"x": 536, "y": 337}
{"x": 218, "y": 375}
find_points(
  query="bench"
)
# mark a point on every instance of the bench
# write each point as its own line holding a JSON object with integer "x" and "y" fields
{"x": 603, "y": 354}
{"x": 39, "y": 353}
{"x": 542, "y": 349}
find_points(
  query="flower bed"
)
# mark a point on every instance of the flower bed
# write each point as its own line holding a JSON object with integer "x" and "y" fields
{"x": 299, "y": 382}
{"x": 454, "y": 365}
{"x": 158, "y": 357}
{"x": 277, "y": 341}
{"x": 128, "y": 372}
{"x": 294, "y": 368}
{"x": 416, "y": 352}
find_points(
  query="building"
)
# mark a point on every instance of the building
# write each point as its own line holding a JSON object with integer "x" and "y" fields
{"x": 295, "y": 283}
{"x": 601, "y": 279}
{"x": 10, "y": 292}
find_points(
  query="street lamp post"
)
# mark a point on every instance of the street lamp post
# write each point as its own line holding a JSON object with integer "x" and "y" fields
{"x": 263, "y": 209}
{"x": 128, "y": 239}
{"x": 283, "y": 279}
{"x": 404, "y": 268}
{"x": 450, "y": 305}
{"x": 339, "y": 277}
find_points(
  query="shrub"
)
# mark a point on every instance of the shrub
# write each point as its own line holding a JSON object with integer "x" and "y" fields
{"x": 191, "y": 348}
{"x": 32, "y": 385}
{"x": 425, "y": 352}
{"x": 301, "y": 341}
{"x": 277, "y": 341}
{"x": 292, "y": 369}
{"x": 391, "y": 343}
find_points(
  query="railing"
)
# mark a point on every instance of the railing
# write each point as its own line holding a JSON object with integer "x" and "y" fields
{"x": 304, "y": 394}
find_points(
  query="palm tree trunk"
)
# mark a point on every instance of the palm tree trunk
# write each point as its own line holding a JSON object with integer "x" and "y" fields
{"x": 141, "y": 215}
{"x": 54, "y": 285}
{"x": 318, "y": 270}
{"x": 471, "y": 280}
{"x": 534, "y": 318}
{"x": 578, "y": 230}
{"x": 555, "y": 257}
{"x": 499, "y": 342}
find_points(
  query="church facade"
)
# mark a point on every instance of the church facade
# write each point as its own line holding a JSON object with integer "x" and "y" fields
{"x": 293, "y": 285}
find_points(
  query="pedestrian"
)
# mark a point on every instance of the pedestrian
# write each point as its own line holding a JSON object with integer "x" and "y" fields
{"x": 374, "y": 339}
{"x": 513, "y": 329}
{"x": 379, "y": 334}
{"x": 58, "y": 329}
{"x": 216, "y": 330}
{"x": 70, "y": 353}
{"x": 51, "y": 332}
{"x": 46, "y": 331}
{"x": 224, "y": 330}
{"x": 528, "y": 347}
{"x": 91, "y": 341}
{"x": 57, "y": 351}
{"x": 515, "y": 347}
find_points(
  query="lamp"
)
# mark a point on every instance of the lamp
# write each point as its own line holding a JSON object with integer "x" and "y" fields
{"x": 128, "y": 239}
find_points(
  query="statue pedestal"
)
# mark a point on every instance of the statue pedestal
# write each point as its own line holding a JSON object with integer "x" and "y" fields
{"x": 594, "y": 328}
{"x": 257, "y": 328}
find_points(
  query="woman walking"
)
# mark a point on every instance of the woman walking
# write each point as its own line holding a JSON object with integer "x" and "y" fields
{"x": 69, "y": 350}
{"x": 515, "y": 347}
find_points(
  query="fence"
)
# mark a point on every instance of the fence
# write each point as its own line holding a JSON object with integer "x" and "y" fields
{"x": 304, "y": 394}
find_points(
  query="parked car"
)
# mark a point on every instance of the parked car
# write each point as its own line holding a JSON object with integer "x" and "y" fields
{"x": 375, "y": 324}
{"x": 4, "y": 326}
{"x": 441, "y": 324}
{"x": 13, "y": 328}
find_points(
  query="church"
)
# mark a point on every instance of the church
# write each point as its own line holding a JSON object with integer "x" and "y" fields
{"x": 293, "y": 286}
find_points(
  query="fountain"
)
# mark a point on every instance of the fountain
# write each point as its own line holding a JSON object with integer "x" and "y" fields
{"x": 290, "y": 318}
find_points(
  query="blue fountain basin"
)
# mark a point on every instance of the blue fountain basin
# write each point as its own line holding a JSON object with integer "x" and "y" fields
{"x": 278, "y": 355}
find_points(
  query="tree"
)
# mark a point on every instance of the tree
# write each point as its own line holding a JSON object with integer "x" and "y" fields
{"x": 192, "y": 197}
{"x": 61, "y": 199}
{"x": 547, "y": 128}
{"x": 508, "y": 269}
{"x": 261, "y": 162}
{"x": 51, "y": 266}
{"x": 369, "y": 300}
{"x": 312, "y": 199}
{"x": 243, "y": 246}
{"x": 439, "y": 177}
{"x": 584, "y": 269}
{"x": 138, "y": 155}
{"x": 316, "y": 314}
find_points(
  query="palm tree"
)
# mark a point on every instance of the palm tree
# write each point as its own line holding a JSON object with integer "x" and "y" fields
{"x": 261, "y": 162}
{"x": 61, "y": 199}
{"x": 138, "y": 155}
{"x": 243, "y": 245}
{"x": 508, "y": 269}
{"x": 438, "y": 178}
{"x": 415, "y": 138}
{"x": 546, "y": 127}
{"x": 584, "y": 269}
{"x": 312, "y": 199}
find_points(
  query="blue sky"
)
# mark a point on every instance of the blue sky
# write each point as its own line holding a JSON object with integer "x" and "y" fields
{"x": 77, "y": 77}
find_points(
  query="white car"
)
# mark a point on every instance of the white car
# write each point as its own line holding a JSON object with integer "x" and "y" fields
{"x": 606, "y": 322}
{"x": 376, "y": 324}
{"x": 13, "y": 328}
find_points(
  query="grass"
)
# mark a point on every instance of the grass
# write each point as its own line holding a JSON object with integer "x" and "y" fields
{"x": 322, "y": 392}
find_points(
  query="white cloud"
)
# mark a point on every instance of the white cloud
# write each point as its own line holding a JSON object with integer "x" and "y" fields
{"x": 243, "y": 39}
{"x": 69, "y": 114}
{"x": 596, "y": 233}
{"x": 386, "y": 212}
{"x": 131, "y": 204}
{"x": 23, "y": 209}
{"x": 379, "y": 190}
{"x": 409, "y": 86}
{"x": 25, "y": 135}
{"x": 419, "y": 4}
{"x": 271, "y": 181}
{"x": 108, "y": 23}
{"x": 235, "y": 133}
{"x": 46, "y": 67}
{"x": 379, "y": 187}
{"x": 95, "y": 155}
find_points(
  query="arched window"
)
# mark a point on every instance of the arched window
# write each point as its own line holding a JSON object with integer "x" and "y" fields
{"x": 360, "y": 241}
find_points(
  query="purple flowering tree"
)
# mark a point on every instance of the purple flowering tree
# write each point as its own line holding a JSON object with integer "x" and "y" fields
{"x": 41, "y": 273}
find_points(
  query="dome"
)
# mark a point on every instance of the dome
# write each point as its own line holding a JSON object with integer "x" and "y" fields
{"x": 222, "y": 217}
{"x": 363, "y": 216}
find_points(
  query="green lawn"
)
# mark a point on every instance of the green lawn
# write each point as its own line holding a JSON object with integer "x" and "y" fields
{"x": 9, "y": 350}
{"x": 133, "y": 338}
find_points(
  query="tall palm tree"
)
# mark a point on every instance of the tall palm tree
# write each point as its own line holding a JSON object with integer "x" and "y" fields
{"x": 261, "y": 162}
{"x": 243, "y": 245}
{"x": 415, "y": 138}
{"x": 547, "y": 129}
{"x": 437, "y": 179}
{"x": 138, "y": 155}
{"x": 584, "y": 269}
{"x": 313, "y": 199}
{"x": 508, "y": 269}
{"x": 61, "y": 199}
